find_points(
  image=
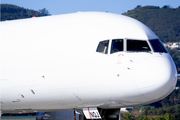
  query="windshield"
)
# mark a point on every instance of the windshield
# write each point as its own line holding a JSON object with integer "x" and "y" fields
{"x": 137, "y": 46}
{"x": 103, "y": 47}
{"x": 117, "y": 45}
{"x": 157, "y": 46}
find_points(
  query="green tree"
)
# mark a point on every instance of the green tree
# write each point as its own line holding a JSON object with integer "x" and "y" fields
{"x": 170, "y": 109}
{"x": 160, "y": 111}
{"x": 44, "y": 11}
{"x": 128, "y": 117}
{"x": 160, "y": 118}
{"x": 166, "y": 7}
{"x": 177, "y": 112}
{"x": 146, "y": 110}
{"x": 168, "y": 116}
{"x": 144, "y": 117}
{"x": 151, "y": 118}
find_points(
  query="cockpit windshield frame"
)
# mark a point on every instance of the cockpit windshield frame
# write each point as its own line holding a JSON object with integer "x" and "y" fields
{"x": 112, "y": 46}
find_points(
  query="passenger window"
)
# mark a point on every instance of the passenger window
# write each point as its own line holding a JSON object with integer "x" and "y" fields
{"x": 157, "y": 46}
{"x": 103, "y": 47}
{"x": 117, "y": 45}
{"x": 137, "y": 46}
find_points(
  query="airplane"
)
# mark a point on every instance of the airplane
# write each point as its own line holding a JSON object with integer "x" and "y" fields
{"x": 93, "y": 62}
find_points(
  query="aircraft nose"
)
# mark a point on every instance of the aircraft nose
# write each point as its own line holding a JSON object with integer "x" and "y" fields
{"x": 156, "y": 77}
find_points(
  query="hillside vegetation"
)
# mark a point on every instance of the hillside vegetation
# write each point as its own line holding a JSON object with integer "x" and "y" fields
{"x": 11, "y": 12}
{"x": 165, "y": 21}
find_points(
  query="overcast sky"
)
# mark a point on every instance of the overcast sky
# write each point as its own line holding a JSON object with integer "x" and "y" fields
{"x": 69, "y": 6}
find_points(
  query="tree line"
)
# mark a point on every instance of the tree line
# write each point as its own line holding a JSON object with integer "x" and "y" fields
{"x": 174, "y": 111}
{"x": 11, "y": 12}
{"x": 128, "y": 116}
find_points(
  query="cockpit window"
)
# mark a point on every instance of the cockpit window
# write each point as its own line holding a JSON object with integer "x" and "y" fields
{"x": 157, "y": 46}
{"x": 103, "y": 47}
{"x": 117, "y": 45}
{"x": 137, "y": 46}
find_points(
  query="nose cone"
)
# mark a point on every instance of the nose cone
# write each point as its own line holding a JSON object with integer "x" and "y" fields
{"x": 156, "y": 77}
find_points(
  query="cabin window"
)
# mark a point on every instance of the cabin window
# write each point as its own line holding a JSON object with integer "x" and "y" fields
{"x": 157, "y": 46}
{"x": 117, "y": 45}
{"x": 103, "y": 47}
{"x": 137, "y": 46}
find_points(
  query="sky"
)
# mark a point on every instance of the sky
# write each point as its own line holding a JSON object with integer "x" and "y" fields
{"x": 56, "y": 7}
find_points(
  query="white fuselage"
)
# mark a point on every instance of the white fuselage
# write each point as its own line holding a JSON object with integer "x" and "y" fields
{"x": 51, "y": 63}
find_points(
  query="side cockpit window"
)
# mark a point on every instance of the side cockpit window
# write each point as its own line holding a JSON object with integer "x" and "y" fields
{"x": 157, "y": 46}
{"x": 103, "y": 47}
{"x": 137, "y": 46}
{"x": 117, "y": 45}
